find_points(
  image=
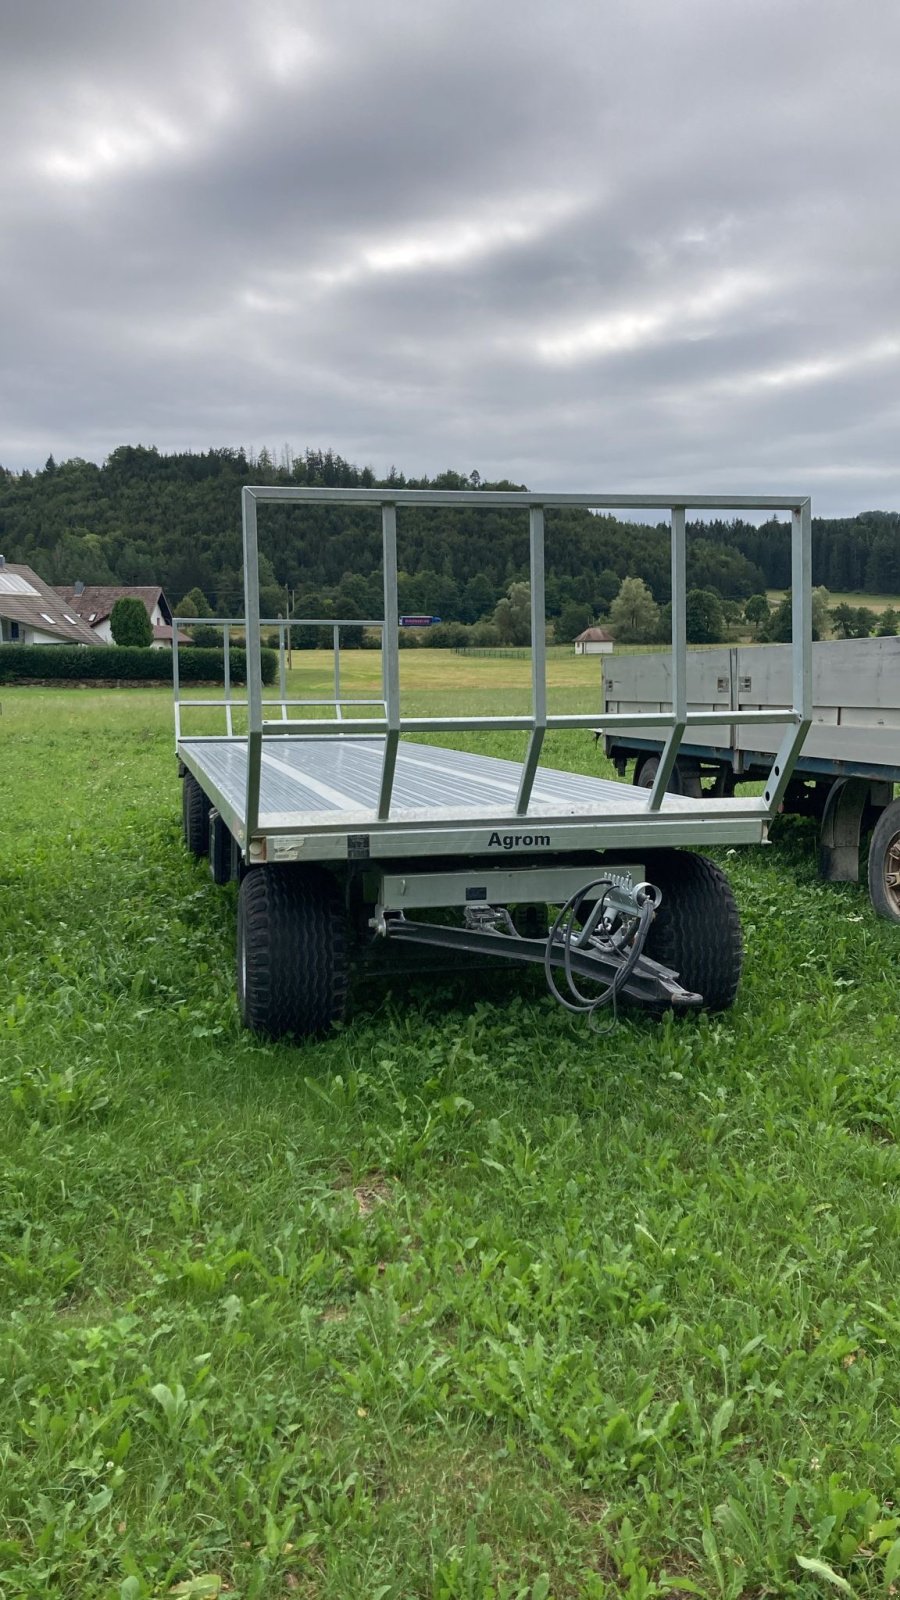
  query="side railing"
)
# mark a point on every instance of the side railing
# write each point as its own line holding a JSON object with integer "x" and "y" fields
{"x": 392, "y": 723}
{"x": 234, "y": 629}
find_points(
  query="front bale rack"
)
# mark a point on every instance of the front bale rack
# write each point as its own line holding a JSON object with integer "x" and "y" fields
{"x": 343, "y": 828}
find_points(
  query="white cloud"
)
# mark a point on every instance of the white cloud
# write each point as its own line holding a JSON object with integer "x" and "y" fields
{"x": 691, "y": 315}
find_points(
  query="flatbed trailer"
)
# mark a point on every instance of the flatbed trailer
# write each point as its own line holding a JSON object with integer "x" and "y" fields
{"x": 344, "y": 828}
{"x": 845, "y": 772}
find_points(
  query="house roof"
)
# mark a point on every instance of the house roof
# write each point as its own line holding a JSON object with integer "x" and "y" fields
{"x": 163, "y": 633}
{"x": 96, "y": 600}
{"x": 594, "y": 636}
{"x": 27, "y": 599}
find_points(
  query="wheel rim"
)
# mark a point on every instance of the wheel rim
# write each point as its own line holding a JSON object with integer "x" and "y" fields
{"x": 891, "y": 872}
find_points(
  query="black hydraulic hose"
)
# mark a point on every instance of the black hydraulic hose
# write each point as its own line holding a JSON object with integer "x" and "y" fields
{"x": 563, "y": 931}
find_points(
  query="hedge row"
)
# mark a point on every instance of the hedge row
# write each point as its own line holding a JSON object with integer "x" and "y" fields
{"x": 81, "y": 663}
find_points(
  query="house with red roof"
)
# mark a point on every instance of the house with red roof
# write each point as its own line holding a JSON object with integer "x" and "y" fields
{"x": 93, "y": 603}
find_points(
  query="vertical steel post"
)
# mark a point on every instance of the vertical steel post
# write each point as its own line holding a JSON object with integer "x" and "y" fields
{"x": 282, "y": 671}
{"x": 254, "y": 664}
{"x": 226, "y": 642}
{"x": 801, "y": 636}
{"x": 176, "y": 681}
{"x": 538, "y": 661}
{"x": 391, "y": 650}
{"x": 679, "y": 661}
{"x": 801, "y": 608}
{"x": 336, "y": 637}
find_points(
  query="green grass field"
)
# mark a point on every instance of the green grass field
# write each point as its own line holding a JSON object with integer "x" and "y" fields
{"x": 873, "y": 602}
{"x": 462, "y": 1303}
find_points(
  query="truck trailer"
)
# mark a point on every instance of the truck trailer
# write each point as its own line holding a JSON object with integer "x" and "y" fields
{"x": 847, "y": 767}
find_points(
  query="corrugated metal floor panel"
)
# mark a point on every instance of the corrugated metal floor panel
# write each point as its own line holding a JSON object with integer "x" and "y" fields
{"x": 334, "y": 780}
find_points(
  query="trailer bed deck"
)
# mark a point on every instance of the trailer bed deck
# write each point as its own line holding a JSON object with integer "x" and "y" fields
{"x": 330, "y": 786}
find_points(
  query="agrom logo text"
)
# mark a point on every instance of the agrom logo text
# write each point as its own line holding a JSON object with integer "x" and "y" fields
{"x": 519, "y": 841}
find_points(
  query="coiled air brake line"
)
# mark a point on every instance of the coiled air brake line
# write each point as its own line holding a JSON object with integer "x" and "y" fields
{"x": 563, "y": 932}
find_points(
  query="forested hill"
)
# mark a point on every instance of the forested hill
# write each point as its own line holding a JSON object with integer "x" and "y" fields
{"x": 144, "y": 517}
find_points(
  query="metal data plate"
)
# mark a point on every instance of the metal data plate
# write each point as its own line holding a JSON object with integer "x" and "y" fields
{"x": 500, "y": 887}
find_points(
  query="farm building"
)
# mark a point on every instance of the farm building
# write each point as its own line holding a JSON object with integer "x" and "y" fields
{"x": 594, "y": 642}
{"x": 93, "y": 603}
{"x": 33, "y": 613}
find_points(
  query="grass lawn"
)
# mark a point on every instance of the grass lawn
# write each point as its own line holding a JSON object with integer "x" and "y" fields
{"x": 873, "y": 602}
{"x": 462, "y": 1303}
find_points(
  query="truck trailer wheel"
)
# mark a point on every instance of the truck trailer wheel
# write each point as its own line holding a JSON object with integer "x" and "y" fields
{"x": 884, "y": 863}
{"x": 291, "y": 951}
{"x": 684, "y": 777}
{"x": 195, "y": 816}
{"x": 696, "y": 930}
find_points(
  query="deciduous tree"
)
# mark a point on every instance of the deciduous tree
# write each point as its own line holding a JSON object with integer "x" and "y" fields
{"x": 757, "y": 610}
{"x": 512, "y": 615}
{"x": 704, "y": 618}
{"x": 634, "y": 614}
{"x": 572, "y": 620}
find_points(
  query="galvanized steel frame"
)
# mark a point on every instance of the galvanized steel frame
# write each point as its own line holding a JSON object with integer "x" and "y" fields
{"x": 228, "y": 701}
{"x": 393, "y": 724}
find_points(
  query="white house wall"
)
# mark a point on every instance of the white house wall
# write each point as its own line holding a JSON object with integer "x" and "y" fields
{"x": 103, "y": 629}
{"x": 33, "y": 636}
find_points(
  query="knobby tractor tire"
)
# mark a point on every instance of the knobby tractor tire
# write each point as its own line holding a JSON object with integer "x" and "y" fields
{"x": 696, "y": 930}
{"x": 291, "y": 951}
{"x": 195, "y": 816}
{"x": 884, "y": 863}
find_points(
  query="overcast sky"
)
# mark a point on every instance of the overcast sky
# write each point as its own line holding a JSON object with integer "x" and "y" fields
{"x": 586, "y": 244}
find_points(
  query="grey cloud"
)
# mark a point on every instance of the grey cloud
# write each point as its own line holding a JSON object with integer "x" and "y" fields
{"x": 572, "y": 245}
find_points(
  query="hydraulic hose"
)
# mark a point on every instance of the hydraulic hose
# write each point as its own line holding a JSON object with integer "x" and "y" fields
{"x": 564, "y": 932}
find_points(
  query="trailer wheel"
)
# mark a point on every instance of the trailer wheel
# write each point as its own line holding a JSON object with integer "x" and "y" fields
{"x": 291, "y": 951}
{"x": 684, "y": 777}
{"x": 697, "y": 930}
{"x": 221, "y": 862}
{"x": 884, "y": 863}
{"x": 195, "y": 816}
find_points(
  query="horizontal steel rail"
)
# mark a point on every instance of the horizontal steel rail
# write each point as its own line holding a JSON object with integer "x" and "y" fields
{"x": 525, "y": 499}
{"x": 229, "y": 702}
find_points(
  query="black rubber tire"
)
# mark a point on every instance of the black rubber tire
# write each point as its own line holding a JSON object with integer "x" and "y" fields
{"x": 684, "y": 778}
{"x": 220, "y": 851}
{"x": 697, "y": 929}
{"x": 195, "y": 816}
{"x": 884, "y": 863}
{"x": 291, "y": 951}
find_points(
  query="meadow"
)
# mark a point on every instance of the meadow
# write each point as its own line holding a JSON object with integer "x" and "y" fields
{"x": 844, "y": 597}
{"x": 463, "y": 1302}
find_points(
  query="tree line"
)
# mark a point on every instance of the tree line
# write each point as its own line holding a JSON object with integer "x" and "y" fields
{"x": 147, "y": 517}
